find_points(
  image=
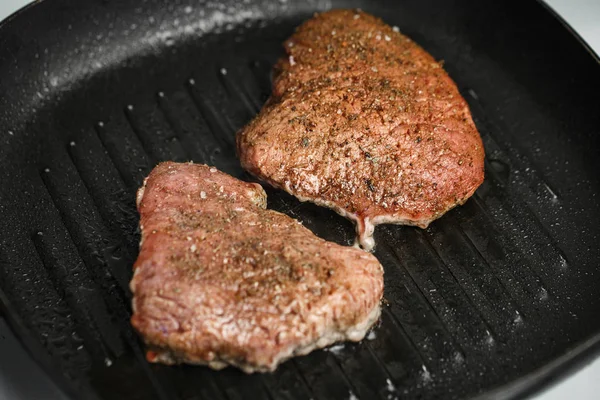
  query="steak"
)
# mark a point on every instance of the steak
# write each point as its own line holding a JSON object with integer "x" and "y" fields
{"x": 366, "y": 122}
{"x": 222, "y": 281}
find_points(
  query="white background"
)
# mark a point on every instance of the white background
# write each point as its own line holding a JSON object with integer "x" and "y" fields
{"x": 19, "y": 375}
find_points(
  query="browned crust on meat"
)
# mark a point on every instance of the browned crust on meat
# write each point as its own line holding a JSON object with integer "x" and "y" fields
{"x": 366, "y": 122}
{"x": 221, "y": 281}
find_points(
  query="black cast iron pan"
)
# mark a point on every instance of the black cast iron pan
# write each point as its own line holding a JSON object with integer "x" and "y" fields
{"x": 496, "y": 298}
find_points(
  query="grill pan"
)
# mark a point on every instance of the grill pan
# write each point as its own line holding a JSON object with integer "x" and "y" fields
{"x": 494, "y": 299}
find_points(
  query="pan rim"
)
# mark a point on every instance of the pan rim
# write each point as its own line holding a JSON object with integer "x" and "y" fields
{"x": 18, "y": 13}
{"x": 33, "y": 348}
{"x": 570, "y": 29}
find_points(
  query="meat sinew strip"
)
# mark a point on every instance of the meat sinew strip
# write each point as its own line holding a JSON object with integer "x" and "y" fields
{"x": 222, "y": 281}
{"x": 364, "y": 121}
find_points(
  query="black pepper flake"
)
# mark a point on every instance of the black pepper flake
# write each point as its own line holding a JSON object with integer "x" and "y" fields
{"x": 418, "y": 139}
{"x": 305, "y": 142}
{"x": 370, "y": 185}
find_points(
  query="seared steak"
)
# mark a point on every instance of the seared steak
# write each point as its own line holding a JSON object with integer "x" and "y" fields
{"x": 364, "y": 121}
{"x": 222, "y": 281}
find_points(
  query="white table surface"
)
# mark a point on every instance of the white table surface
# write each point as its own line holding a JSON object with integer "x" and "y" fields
{"x": 582, "y": 15}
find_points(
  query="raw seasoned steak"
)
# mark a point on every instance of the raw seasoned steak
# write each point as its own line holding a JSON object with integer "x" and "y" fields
{"x": 364, "y": 121}
{"x": 222, "y": 281}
